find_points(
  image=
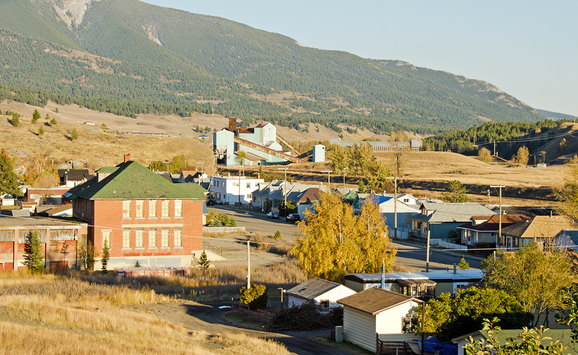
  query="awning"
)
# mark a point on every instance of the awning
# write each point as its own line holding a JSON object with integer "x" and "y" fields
{"x": 416, "y": 282}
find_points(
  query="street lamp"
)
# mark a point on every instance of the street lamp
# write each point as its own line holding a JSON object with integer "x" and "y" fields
{"x": 344, "y": 170}
{"x": 285, "y": 189}
{"x": 328, "y": 178}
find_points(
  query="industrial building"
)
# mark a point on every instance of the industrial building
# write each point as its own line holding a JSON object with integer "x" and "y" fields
{"x": 261, "y": 145}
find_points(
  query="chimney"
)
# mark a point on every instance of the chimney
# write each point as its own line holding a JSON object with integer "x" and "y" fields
{"x": 232, "y": 124}
{"x": 291, "y": 182}
{"x": 126, "y": 157}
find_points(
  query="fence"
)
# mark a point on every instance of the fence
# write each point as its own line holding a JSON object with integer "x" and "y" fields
{"x": 224, "y": 230}
{"x": 447, "y": 245}
{"x": 257, "y": 314}
{"x": 391, "y": 347}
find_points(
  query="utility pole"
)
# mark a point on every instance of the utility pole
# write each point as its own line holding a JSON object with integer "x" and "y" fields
{"x": 248, "y": 265}
{"x": 285, "y": 189}
{"x": 394, "y": 204}
{"x": 494, "y": 147}
{"x": 328, "y": 178}
{"x": 427, "y": 250}
{"x": 499, "y": 216}
{"x": 239, "y": 188}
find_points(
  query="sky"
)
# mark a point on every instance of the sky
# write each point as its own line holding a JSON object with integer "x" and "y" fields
{"x": 528, "y": 49}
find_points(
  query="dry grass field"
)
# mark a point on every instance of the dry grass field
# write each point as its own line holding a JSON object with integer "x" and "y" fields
{"x": 49, "y": 314}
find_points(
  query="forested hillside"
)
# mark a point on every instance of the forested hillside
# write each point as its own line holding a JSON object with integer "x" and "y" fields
{"x": 126, "y": 50}
{"x": 509, "y": 137}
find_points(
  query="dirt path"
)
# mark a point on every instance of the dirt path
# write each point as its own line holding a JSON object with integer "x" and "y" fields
{"x": 208, "y": 317}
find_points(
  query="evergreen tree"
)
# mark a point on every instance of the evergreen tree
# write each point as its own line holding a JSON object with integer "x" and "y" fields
{"x": 15, "y": 120}
{"x": 463, "y": 265}
{"x": 35, "y": 116}
{"x": 278, "y": 235}
{"x": 8, "y": 182}
{"x": 40, "y": 130}
{"x": 456, "y": 192}
{"x": 74, "y": 134}
{"x": 204, "y": 262}
{"x": 53, "y": 121}
{"x": 47, "y": 117}
{"x": 105, "y": 256}
{"x": 33, "y": 253}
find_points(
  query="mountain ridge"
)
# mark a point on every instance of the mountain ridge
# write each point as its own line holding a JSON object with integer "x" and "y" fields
{"x": 171, "y": 56}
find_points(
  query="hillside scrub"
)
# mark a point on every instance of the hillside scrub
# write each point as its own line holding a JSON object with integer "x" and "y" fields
{"x": 48, "y": 314}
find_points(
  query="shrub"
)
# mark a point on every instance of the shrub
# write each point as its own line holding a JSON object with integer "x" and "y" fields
{"x": 256, "y": 296}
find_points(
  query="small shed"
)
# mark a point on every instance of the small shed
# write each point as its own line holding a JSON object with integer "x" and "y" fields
{"x": 325, "y": 293}
{"x": 376, "y": 311}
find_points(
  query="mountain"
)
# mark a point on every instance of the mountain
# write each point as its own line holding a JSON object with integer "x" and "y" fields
{"x": 131, "y": 51}
{"x": 556, "y": 115}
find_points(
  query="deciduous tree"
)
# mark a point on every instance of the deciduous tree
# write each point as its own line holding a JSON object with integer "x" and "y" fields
{"x": 336, "y": 242}
{"x": 568, "y": 192}
{"x": 105, "y": 256}
{"x": 536, "y": 278}
{"x": 485, "y": 155}
{"x": 522, "y": 156}
{"x": 448, "y": 316}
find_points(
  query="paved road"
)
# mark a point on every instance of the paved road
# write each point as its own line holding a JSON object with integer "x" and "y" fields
{"x": 411, "y": 256}
{"x": 208, "y": 317}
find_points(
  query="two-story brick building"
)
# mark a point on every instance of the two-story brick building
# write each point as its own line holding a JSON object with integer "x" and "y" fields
{"x": 146, "y": 219}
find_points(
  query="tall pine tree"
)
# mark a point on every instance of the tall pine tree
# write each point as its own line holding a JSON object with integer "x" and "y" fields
{"x": 33, "y": 257}
{"x": 8, "y": 182}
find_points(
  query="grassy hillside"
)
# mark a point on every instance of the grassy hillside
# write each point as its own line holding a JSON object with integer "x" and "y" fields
{"x": 144, "y": 53}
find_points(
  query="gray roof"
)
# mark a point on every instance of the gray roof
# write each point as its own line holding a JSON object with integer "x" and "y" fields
{"x": 436, "y": 275}
{"x": 312, "y": 288}
{"x": 451, "y": 212}
{"x": 35, "y": 222}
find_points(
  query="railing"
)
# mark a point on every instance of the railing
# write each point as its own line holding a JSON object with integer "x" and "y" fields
{"x": 391, "y": 347}
{"x": 258, "y": 314}
{"x": 447, "y": 245}
{"x": 214, "y": 249}
{"x": 284, "y": 141}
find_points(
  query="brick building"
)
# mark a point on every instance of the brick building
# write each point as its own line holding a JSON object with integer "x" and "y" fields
{"x": 146, "y": 219}
{"x": 60, "y": 236}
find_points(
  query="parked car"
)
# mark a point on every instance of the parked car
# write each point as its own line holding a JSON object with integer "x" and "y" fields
{"x": 293, "y": 218}
{"x": 273, "y": 215}
{"x": 210, "y": 203}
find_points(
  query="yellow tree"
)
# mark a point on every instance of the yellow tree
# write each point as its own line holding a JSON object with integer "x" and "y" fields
{"x": 485, "y": 155}
{"x": 522, "y": 156}
{"x": 336, "y": 242}
{"x": 568, "y": 193}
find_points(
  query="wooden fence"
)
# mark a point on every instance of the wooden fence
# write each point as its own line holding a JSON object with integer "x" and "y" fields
{"x": 257, "y": 314}
{"x": 392, "y": 347}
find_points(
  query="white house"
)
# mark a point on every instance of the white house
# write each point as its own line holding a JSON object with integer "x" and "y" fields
{"x": 322, "y": 292}
{"x": 233, "y": 189}
{"x": 376, "y": 311}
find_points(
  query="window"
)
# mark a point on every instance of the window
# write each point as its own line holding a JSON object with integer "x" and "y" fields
{"x": 126, "y": 209}
{"x": 248, "y": 185}
{"x": 106, "y": 237}
{"x": 165, "y": 208}
{"x": 152, "y": 238}
{"x": 178, "y": 237}
{"x": 235, "y": 184}
{"x": 152, "y": 208}
{"x": 178, "y": 208}
{"x": 248, "y": 196}
{"x": 139, "y": 208}
{"x": 126, "y": 238}
{"x": 165, "y": 238}
{"x": 324, "y": 304}
{"x": 139, "y": 238}
{"x": 222, "y": 184}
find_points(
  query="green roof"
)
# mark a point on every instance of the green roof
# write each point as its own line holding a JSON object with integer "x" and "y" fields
{"x": 131, "y": 180}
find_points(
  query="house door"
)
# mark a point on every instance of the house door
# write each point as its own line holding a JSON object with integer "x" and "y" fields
{"x": 509, "y": 243}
